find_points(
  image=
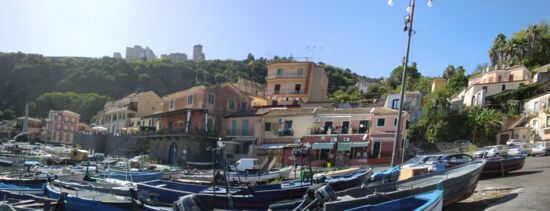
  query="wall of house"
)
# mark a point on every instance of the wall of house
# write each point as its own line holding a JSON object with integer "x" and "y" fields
{"x": 300, "y": 125}
{"x": 492, "y": 89}
{"x": 148, "y": 103}
{"x": 318, "y": 85}
{"x": 254, "y": 125}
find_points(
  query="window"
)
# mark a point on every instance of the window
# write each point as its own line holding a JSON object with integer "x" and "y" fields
{"x": 300, "y": 71}
{"x": 536, "y": 107}
{"x": 297, "y": 88}
{"x": 279, "y": 72}
{"x": 547, "y": 121}
{"x": 243, "y": 106}
{"x": 485, "y": 89}
{"x": 172, "y": 104}
{"x": 189, "y": 99}
{"x": 503, "y": 87}
{"x": 407, "y": 124}
{"x": 499, "y": 78}
{"x": 395, "y": 104}
{"x": 381, "y": 122}
{"x": 231, "y": 104}
{"x": 267, "y": 126}
{"x": 277, "y": 89}
{"x": 211, "y": 99}
{"x": 395, "y": 122}
{"x": 244, "y": 129}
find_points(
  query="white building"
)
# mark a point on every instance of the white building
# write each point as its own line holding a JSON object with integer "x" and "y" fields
{"x": 138, "y": 52}
{"x": 412, "y": 104}
{"x": 364, "y": 84}
{"x": 175, "y": 57}
{"x": 117, "y": 55}
{"x": 491, "y": 83}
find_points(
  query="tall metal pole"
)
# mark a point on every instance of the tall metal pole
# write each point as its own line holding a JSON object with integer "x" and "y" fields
{"x": 401, "y": 98}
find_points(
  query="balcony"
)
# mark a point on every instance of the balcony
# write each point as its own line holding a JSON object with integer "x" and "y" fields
{"x": 285, "y": 92}
{"x": 286, "y": 75}
{"x": 240, "y": 132}
{"x": 337, "y": 131}
{"x": 286, "y": 133}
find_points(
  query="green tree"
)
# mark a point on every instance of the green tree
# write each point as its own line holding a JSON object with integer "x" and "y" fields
{"x": 482, "y": 122}
{"x": 395, "y": 77}
{"x": 457, "y": 81}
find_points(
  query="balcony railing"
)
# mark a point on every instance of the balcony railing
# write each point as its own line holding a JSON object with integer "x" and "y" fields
{"x": 284, "y": 92}
{"x": 240, "y": 132}
{"x": 321, "y": 131}
{"x": 286, "y": 133}
{"x": 286, "y": 75}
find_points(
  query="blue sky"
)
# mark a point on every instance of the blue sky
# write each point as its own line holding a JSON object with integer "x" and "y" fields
{"x": 363, "y": 35}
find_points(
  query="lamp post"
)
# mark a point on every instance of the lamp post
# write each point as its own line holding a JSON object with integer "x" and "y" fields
{"x": 408, "y": 28}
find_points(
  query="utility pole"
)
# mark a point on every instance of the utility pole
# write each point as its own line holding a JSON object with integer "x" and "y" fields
{"x": 409, "y": 29}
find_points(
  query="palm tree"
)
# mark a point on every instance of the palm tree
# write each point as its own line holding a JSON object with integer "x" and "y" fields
{"x": 481, "y": 122}
{"x": 533, "y": 32}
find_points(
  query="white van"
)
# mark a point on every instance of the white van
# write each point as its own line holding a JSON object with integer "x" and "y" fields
{"x": 246, "y": 164}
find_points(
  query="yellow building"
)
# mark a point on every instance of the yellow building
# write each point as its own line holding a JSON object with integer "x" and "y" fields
{"x": 439, "y": 84}
{"x": 294, "y": 83}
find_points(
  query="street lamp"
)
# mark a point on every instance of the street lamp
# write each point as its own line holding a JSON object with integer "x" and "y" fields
{"x": 408, "y": 28}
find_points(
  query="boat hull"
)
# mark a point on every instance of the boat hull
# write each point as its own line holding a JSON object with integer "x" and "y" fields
{"x": 132, "y": 176}
{"x": 431, "y": 201}
{"x": 166, "y": 191}
{"x": 81, "y": 204}
{"x": 260, "y": 199}
{"x": 502, "y": 166}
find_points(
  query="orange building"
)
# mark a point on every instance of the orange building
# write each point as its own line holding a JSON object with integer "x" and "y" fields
{"x": 61, "y": 126}
{"x": 294, "y": 83}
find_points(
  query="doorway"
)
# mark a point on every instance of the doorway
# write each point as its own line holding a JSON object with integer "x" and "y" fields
{"x": 172, "y": 153}
{"x": 376, "y": 150}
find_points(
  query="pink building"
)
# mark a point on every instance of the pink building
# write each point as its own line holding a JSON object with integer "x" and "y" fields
{"x": 352, "y": 136}
{"x": 201, "y": 108}
{"x": 61, "y": 126}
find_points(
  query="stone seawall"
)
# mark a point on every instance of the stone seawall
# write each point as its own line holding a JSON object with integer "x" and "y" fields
{"x": 175, "y": 149}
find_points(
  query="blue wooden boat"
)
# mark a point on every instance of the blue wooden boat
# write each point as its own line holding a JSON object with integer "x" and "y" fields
{"x": 85, "y": 200}
{"x": 431, "y": 201}
{"x": 458, "y": 183}
{"x": 166, "y": 192}
{"x": 5, "y": 163}
{"x": 260, "y": 197}
{"x": 22, "y": 201}
{"x": 21, "y": 189}
{"x": 133, "y": 176}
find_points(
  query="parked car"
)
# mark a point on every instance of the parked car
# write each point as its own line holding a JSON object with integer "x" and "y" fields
{"x": 492, "y": 151}
{"x": 520, "y": 148}
{"x": 463, "y": 142}
{"x": 513, "y": 141}
{"x": 452, "y": 160}
{"x": 541, "y": 148}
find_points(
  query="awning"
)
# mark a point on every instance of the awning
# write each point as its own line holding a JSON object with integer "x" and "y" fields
{"x": 346, "y": 146}
{"x": 270, "y": 146}
{"x": 322, "y": 146}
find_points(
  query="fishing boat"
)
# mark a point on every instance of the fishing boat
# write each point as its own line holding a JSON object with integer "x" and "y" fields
{"x": 166, "y": 192}
{"x": 6, "y": 163}
{"x": 502, "y": 165}
{"x": 259, "y": 197}
{"x": 430, "y": 201}
{"x": 241, "y": 177}
{"x": 133, "y": 176}
{"x": 458, "y": 183}
{"x": 21, "y": 189}
{"x": 386, "y": 175}
{"x": 78, "y": 199}
{"x": 22, "y": 201}
{"x": 105, "y": 187}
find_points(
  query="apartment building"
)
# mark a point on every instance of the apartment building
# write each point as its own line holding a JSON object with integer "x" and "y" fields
{"x": 365, "y": 84}
{"x": 175, "y": 57}
{"x": 198, "y": 55}
{"x": 61, "y": 126}
{"x": 351, "y": 135}
{"x": 491, "y": 83}
{"x": 127, "y": 115}
{"x": 412, "y": 104}
{"x": 138, "y": 52}
{"x": 537, "y": 117}
{"x": 294, "y": 83}
{"x": 200, "y": 109}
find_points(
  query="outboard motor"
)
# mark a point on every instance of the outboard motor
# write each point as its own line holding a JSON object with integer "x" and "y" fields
{"x": 322, "y": 195}
{"x": 190, "y": 203}
{"x": 309, "y": 196}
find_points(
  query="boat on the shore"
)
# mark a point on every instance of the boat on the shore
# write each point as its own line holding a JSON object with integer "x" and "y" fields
{"x": 429, "y": 201}
{"x": 133, "y": 176}
{"x": 458, "y": 183}
{"x": 86, "y": 200}
{"x": 502, "y": 165}
{"x": 105, "y": 187}
{"x": 21, "y": 189}
{"x": 260, "y": 197}
{"x": 166, "y": 192}
{"x": 23, "y": 201}
{"x": 6, "y": 162}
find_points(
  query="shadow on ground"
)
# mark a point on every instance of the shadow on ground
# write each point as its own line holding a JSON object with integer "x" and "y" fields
{"x": 480, "y": 204}
{"x": 511, "y": 174}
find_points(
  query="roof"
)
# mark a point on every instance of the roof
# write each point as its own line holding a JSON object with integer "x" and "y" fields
{"x": 251, "y": 112}
{"x": 290, "y": 112}
{"x": 290, "y": 62}
{"x": 360, "y": 110}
